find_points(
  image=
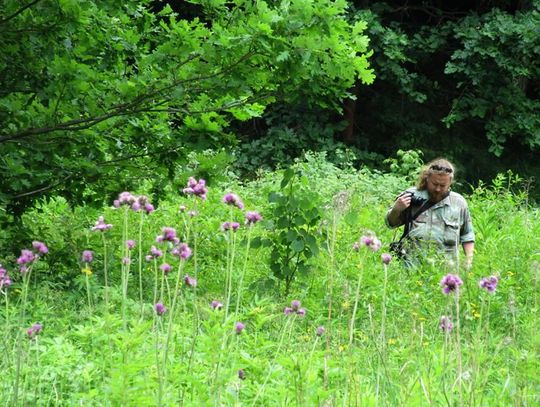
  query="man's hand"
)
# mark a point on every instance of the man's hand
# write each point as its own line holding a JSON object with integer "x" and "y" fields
{"x": 402, "y": 202}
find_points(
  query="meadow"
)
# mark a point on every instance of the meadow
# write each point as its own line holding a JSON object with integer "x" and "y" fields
{"x": 272, "y": 292}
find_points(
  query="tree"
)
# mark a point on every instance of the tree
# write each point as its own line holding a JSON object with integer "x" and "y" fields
{"x": 92, "y": 88}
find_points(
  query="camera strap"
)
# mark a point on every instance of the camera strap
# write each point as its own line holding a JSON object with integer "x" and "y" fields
{"x": 409, "y": 217}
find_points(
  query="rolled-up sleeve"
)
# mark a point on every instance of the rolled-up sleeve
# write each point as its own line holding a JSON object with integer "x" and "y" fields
{"x": 467, "y": 230}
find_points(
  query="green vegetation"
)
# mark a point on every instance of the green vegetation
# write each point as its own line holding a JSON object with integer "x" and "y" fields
{"x": 380, "y": 343}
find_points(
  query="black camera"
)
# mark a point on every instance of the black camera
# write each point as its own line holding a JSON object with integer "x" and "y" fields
{"x": 415, "y": 199}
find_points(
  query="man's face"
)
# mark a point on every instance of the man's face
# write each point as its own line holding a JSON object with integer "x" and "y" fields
{"x": 438, "y": 185}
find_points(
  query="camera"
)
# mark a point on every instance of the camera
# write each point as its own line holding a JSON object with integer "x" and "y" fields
{"x": 415, "y": 199}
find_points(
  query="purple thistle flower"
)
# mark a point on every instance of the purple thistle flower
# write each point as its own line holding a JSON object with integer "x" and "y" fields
{"x": 190, "y": 281}
{"x": 182, "y": 251}
{"x": 34, "y": 330}
{"x": 252, "y": 217}
{"x": 233, "y": 199}
{"x": 301, "y": 312}
{"x": 445, "y": 324}
{"x": 356, "y": 246}
{"x": 320, "y": 331}
{"x": 155, "y": 252}
{"x": 216, "y": 305}
{"x": 450, "y": 283}
{"x": 241, "y": 374}
{"x": 489, "y": 283}
{"x": 40, "y": 247}
{"x": 160, "y": 308}
{"x": 197, "y": 188}
{"x": 27, "y": 256}
{"x": 130, "y": 244}
{"x": 125, "y": 198}
{"x": 149, "y": 257}
{"x": 230, "y": 225}
{"x": 239, "y": 327}
{"x": 288, "y": 311}
{"x": 87, "y": 256}
{"x": 295, "y": 305}
{"x": 370, "y": 241}
{"x": 101, "y": 226}
{"x": 166, "y": 268}
{"x": 182, "y": 208}
{"x": 149, "y": 208}
{"x": 168, "y": 234}
{"x": 126, "y": 260}
{"x": 136, "y": 206}
{"x": 5, "y": 281}
{"x": 192, "y": 214}
{"x": 386, "y": 258}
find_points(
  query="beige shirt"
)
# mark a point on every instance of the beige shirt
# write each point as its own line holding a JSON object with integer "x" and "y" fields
{"x": 445, "y": 226}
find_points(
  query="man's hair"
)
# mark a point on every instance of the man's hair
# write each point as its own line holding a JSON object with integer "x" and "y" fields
{"x": 437, "y": 166}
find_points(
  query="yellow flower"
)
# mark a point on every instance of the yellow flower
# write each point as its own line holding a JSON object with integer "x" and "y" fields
{"x": 87, "y": 271}
{"x": 420, "y": 283}
{"x": 392, "y": 341}
{"x": 345, "y": 305}
{"x": 476, "y": 315}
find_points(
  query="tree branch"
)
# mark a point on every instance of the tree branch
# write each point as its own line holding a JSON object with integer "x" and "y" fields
{"x": 5, "y": 20}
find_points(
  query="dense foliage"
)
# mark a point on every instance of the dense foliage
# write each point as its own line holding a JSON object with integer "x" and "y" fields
{"x": 91, "y": 89}
{"x": 352, "y": 330}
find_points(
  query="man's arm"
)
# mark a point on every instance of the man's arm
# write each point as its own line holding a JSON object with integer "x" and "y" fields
{"x": 393, "y": 216}
{"x": 468, "y": 248}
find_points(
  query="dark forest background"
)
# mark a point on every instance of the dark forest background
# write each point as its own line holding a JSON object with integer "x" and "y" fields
{"x": 101, "y": 96}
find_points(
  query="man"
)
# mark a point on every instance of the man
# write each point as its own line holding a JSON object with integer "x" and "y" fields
{"x": 437, "y": 217}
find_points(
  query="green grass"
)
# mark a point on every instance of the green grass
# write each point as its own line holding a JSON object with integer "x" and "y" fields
{"x": 391, "y": 353}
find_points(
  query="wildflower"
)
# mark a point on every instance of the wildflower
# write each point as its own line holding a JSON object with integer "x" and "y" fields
{"x": 101, "y": 226}
{"x": 4, "y": 278}
{"x": 130, "y": 244}
{"x": 197, "y": 188}
{"x": 87, "y": 256}
{"x": 301, "y": 312}
{"x": 230, "y": 225}
{"x": 34, "y": 330}
{"x": 124, "y": 198}
{"x": 192, "y": 214}
{"x": 160, "y": 308}
{"x": 252, "y": 217}
{"x": 40, "y": 247}
{"x": 148, "y": 257}
{"x": 190, "y": 281}
{"x": 386, "y": 258}
{"x": 182, "y": 208}
{"x": 27, "y": 256}
{"x": 166, "y": 268}
{"x": 233, "y": 199}
{"x": 149, "y": 208}
{"x": 87, "y": 270}
{"x": 216, "y": 305}
{"x": 450, "y": 283}
{"x": 167, "y": 235}
{"x": 182, "y": 251}
{"x": 320, "y": 331}
{"x": 288, "y": 311}
{"x": 241, "y": 374}
{"x": 370, "y": 241}
{"x": 489, "y": 283}
{"x": 239, "y": 327}
{"x": 155, "y": 252}
{"x": 126, "y": 260}
{"x": 136, "y": 206}
{"x": 295, "y": 305}
{"x": 445, "y": 324}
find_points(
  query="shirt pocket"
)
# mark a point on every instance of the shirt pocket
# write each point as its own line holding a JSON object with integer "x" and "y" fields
{"x": 451, "y": 230}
